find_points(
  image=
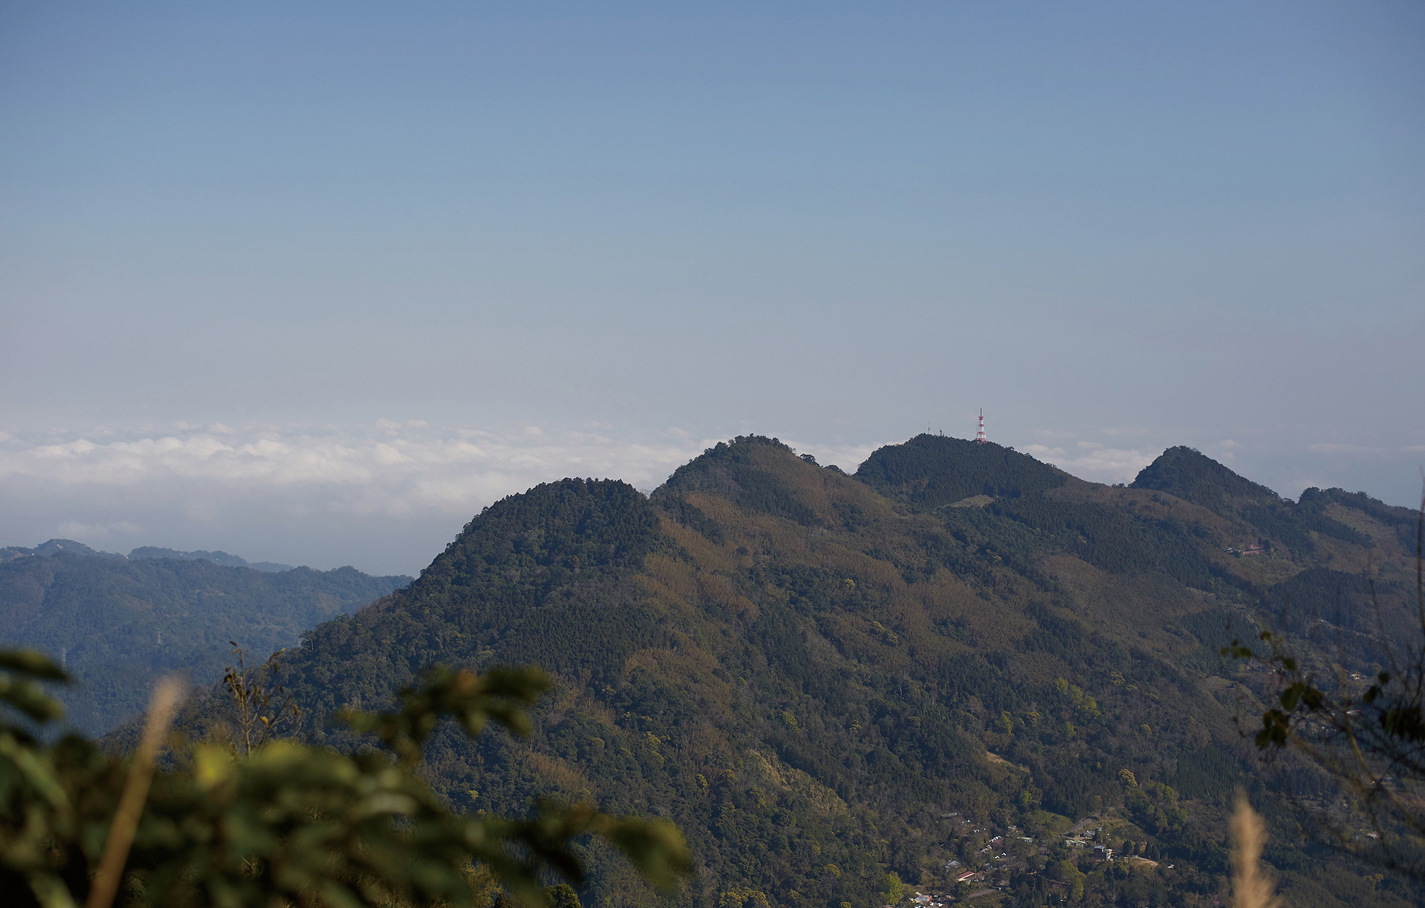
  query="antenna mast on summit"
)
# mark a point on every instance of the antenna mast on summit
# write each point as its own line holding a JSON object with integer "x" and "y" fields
{"x": 980, "y": 435}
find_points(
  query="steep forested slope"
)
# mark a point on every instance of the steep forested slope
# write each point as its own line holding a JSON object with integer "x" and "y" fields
{"x": 118, "y": 624}
{"x": 834, "y": 682}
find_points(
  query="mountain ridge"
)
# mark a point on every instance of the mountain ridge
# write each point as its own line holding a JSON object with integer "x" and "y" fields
{"x": 810, "y": 675}
{"x": 54, "y": 547}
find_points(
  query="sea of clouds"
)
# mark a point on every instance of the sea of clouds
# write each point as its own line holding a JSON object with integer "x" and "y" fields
{"x": 385, "y": 496}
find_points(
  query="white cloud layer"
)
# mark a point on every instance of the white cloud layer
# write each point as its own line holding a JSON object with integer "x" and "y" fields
{"x": 120, "y": 528}
{"x": 1093, "y": 461}
{"x": 299, "y": 489}
{"x": 395, "y": 469}
{"x": 389, "y": 495}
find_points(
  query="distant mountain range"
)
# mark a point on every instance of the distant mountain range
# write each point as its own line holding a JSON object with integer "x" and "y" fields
{"x": 933, "y": 670}
{"x": 118, "y": 623}
{"x": 143, "y": 553}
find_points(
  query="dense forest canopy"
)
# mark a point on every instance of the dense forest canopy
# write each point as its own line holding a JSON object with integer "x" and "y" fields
{"x": 837, "y": 684}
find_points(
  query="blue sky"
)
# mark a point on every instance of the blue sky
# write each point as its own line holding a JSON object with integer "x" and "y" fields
{"x": 314, "y": 285}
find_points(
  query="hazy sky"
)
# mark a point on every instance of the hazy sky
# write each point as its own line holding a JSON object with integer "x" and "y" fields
{"x": 316, "y": 282}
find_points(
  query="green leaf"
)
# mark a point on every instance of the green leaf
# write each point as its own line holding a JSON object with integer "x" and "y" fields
{"x": 32, "y": 664}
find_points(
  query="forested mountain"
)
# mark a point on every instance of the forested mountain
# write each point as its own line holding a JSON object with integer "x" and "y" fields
{"x": 119, "y": 624}
{"x": 937, "y": 667}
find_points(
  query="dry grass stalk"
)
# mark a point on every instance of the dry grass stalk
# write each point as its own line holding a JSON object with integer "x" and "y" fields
{"x": 1251, "y": 886}
{"x": 126, "y": 819}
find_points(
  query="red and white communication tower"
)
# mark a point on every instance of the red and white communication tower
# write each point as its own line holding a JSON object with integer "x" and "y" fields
{"x": 980, "y": 435}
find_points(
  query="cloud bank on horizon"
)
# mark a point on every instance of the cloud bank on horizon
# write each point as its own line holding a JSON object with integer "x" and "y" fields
{"x": 392, "y": 493}
{"x": 398, "y": 469}
{"x": 385, "y": 497}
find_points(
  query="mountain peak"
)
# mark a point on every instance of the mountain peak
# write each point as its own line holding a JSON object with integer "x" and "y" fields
{"x": 1194, "y": 477}
{"x": 567, "y": 525}
{"x": 756, "y": 472}
{"x": 933, "y": 470}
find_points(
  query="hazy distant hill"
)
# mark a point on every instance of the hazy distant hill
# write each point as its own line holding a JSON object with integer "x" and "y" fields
{"x": 223, "y": 558}
{"x": 56, "y": 546}
{"x": 117, "y": 623}
{"x": 827, "y": 679}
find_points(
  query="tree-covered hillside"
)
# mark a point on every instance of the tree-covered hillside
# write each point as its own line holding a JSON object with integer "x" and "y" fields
{"x": 118, "y": 625}
{"x": 836, "y": 684}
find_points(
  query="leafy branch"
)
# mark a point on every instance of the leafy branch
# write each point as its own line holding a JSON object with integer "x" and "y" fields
{"x": 288, "y": 824}
{"x": 1370, "y": 740}
{"x": 263, "y": 707}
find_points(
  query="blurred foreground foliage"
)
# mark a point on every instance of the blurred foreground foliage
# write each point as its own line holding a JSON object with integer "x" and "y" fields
{"x": 288, "y": 824}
